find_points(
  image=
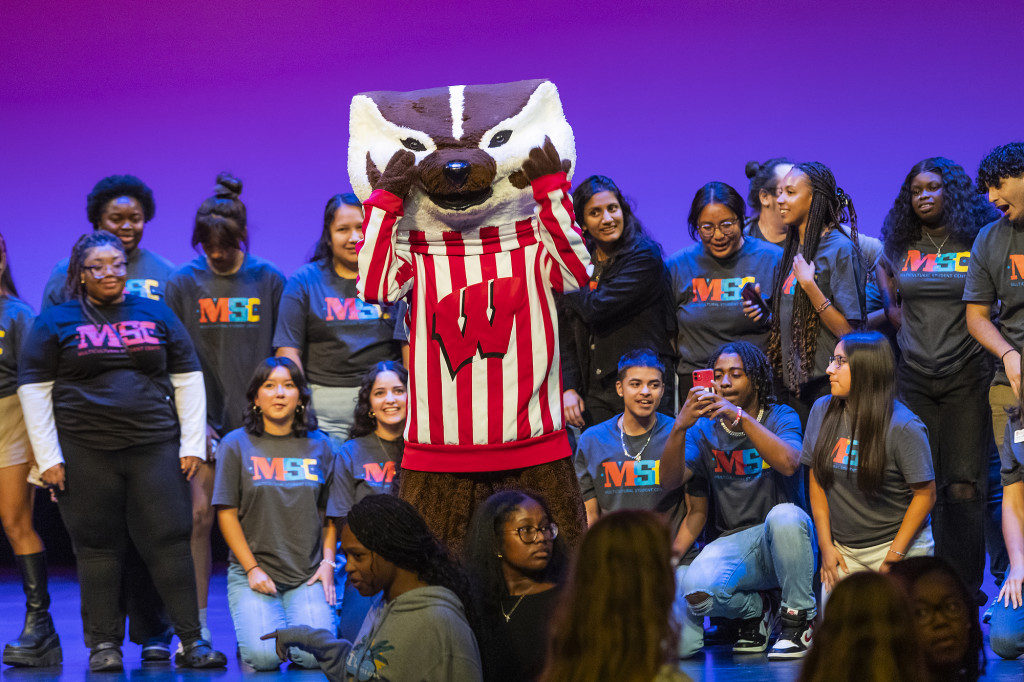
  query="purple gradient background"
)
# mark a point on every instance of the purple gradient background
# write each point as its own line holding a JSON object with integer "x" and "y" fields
{"x": 662, "y": 96}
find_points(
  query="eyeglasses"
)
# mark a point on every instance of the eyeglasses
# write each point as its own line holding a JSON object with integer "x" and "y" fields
{"x": 98, "y": 271}
{"x": 838, "y": 360}
{"x": 531, "y": 534}
{"x": 726, "y": 227}
{"x": 951, "y": 608}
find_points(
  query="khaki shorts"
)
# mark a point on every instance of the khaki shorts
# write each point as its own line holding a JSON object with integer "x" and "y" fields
{"x": 14, "y": 444}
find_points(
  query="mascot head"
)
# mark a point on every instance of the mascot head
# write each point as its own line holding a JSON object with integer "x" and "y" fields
{"x": 470, "y": 142}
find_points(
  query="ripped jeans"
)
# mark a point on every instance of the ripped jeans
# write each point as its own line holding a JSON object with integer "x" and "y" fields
{"x": 734, "y": 569}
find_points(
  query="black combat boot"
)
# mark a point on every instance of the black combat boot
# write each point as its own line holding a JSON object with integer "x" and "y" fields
{"x": 38, "y": 644}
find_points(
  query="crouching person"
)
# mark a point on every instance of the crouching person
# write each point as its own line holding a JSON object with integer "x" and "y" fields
{"x": 746, "y": 447}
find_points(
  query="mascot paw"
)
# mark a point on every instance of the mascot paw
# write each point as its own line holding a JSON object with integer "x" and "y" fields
{"x": 399, "y": 174}
{"x": 544, "y": 161}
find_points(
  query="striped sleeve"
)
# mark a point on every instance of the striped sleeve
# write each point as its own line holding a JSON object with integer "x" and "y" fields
{"x": 385, "y": 273}
{"x": 559, "y": 233}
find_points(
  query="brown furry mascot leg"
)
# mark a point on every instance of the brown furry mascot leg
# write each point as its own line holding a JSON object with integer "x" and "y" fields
{"x": 447, "y": 500}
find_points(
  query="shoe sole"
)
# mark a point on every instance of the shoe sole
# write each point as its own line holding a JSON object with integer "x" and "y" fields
{"x": 750, "y": 649}
{"x": 786, "y": 656}
{"x": 21, "y": 659}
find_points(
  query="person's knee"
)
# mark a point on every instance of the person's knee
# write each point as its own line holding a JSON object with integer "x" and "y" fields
{"x": 1006, "y": 645}
{"x": 261, "y": 657}
{"x": 786, "y": 515}
{"x": 963, "y": 492}
{"x": 202, "y": 519}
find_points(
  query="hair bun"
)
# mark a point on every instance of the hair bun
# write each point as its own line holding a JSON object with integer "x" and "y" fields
{"x": 228, "y": 186}
{"x": 751, "y": 169}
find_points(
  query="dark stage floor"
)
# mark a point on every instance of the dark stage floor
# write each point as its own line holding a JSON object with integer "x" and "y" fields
{"x": 718, "y": 664}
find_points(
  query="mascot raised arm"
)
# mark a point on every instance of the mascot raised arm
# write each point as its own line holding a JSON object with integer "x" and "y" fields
{"x": 468, "y": 217}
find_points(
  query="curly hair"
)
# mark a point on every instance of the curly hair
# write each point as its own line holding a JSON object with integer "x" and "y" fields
{"x": 714, "y": 193}
{"x": 362, "y": 422}
{"x": 323, "y": 252}
{"x": 1005, "y": 161}
{"x": 762, "y": 177}
{"x": 633, "y": 233}
{"x": 964, "y": 211}
{"x": 484, "y": 543}
{"x": 830, "y": 208}
{"x": 74, "y": 285}
{"x": 911, "y": 570}
{"x": 755, "y": 364}
{"x": 598, "y": 605}
{"x": 222, "y": 219}
{"x": 6, "y": 279}
{"x": 392, "y": 528}
{"x": 114, "y": 186}
{"x": 305, "y": 418}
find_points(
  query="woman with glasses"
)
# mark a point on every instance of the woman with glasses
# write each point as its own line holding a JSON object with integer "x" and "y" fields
{"x": 113, "y": 398}
{"x": 626, "y": 306}
{"x": 516, "y": 561}
{"x": 871, "y": 482}
{"x": 708, "y": 279}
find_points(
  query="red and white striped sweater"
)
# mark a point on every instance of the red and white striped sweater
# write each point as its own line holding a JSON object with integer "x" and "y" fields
{"x": 484, "y": 378}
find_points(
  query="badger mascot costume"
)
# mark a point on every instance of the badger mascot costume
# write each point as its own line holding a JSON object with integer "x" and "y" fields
{"x": 468, "y": 217}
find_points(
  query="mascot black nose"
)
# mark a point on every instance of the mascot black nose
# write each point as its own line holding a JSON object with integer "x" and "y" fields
{"x": 457, "y": 172}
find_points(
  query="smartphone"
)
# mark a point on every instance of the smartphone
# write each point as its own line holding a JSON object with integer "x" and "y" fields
{"x": 749, "y": 293}
{"x": 705, "y": 379}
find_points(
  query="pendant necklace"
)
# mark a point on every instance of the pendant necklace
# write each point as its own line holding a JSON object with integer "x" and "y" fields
{"x": 622, "y": 438}
{"x": 938, "y": 249}
{"x": 508, "y": 616}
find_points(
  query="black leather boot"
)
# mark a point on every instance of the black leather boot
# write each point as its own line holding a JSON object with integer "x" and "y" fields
{"x": 38, "y": 644}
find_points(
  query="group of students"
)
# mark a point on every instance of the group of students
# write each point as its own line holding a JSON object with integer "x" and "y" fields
{"x": 796, "y": 447}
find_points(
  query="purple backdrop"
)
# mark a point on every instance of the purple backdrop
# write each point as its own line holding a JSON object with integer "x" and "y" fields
{"x": 662, "y": 96}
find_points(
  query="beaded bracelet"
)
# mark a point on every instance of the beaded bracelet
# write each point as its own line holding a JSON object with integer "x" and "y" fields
{"x": 329, "y": 563}
{"x": 899, "y": 553}
{"x": 821, "y": 308}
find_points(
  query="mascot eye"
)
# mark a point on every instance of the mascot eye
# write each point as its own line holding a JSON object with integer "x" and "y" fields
{"x": 414, "y": 145}
{"x": 500, "y": 138}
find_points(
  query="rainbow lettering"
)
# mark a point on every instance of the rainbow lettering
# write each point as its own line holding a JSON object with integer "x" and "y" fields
{"x": 350, "y": 309}
{"x": 132, "y": 332}
{"x": 746, "y": 462}
{"x": 285, "y": 469}
{"x": 143, "y": 287}
{"x": 844, "y": 454}
{"x": 382, "y": 472}
{"x": 718, "y": 289}
{"x": 219, "y": 310}
{"x": 631, "y": 474}
{"x": 930, "y": 262}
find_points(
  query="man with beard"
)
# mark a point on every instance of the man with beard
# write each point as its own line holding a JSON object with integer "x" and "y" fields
{"x": 746, "y": 447}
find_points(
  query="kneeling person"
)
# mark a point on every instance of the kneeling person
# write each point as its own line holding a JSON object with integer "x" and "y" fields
{"x": 746, "y": 447}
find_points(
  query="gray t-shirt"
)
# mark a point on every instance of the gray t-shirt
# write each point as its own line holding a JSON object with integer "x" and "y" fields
{"x": 709, "y": 308}
{"x": 1011, "y": 454}
{"x": 15, "y": 324}
{"x": 996, "y": 273}
{"x": 279, "y": 484}
{"x": 744, "y": 486}
{"x": 840, "y": 275}
{"x": 363, "y": 466}
{"x": 614, "y": 480}
{"x": 146, "y": 277}
{"x": 231, "y": 321}
{"x": 858, "y": 520}
{"x": 339, "y": 335}
{"x": 934, "y": 338}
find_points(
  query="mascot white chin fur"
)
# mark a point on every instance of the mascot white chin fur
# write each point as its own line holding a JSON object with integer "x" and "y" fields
{"x": 468, "y": 216}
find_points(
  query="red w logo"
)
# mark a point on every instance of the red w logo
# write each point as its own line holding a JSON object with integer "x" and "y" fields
{"x": 477, "y": 318}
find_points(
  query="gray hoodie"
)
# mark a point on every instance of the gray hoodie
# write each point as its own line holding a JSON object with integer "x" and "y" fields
{"x": 421, "y": 636}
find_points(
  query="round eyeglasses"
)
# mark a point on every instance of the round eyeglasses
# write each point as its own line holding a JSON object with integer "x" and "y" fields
{"x": 532, "y": 534}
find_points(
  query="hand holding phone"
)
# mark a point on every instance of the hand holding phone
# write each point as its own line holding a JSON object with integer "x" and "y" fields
{"x": 704, "y": 378}
{"x": 754, "y": 306}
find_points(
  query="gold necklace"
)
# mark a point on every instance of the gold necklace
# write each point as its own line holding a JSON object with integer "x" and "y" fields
{"x": 938, "y": 249}
{"x": 508, "y": 615}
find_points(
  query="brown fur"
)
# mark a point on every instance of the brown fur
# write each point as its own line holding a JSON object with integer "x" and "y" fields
{"x": 447, "y": 500}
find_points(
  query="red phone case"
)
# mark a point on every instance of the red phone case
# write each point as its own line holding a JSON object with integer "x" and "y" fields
{"x": 704, "y": 378}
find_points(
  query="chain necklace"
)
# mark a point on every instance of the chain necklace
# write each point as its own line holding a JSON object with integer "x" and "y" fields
{"x": 382, "y": 448}
{"x": 938, "y": 249}
{"x": 740, "y": 434}
{"x": 508, "y": 616}
{"x": 622, "y": 439}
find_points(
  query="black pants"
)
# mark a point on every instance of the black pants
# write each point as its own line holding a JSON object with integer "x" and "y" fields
{"x": 956, "y": 412}
{"x": 139, "y": 493}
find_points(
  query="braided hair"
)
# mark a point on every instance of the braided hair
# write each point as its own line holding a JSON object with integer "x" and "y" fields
{"x": 830, "y": 208}
{"x": 74, "y": 285}
{"x": 392, "y": 528}
{"x": 755, "y": 364}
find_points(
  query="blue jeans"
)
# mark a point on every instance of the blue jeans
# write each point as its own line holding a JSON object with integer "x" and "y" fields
{"x": 1006, "y": 631}
{"x": 734, "y": 569}
{"x": 255, "y": 614}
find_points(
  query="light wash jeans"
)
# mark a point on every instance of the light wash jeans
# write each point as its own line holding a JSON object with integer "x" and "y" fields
{"x": 335, "y": 408}
{"x": 255, "y": 614}
{"x": 734, "y": 569}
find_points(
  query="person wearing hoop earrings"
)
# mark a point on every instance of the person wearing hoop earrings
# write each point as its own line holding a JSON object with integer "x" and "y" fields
{"x": 271, "y": 496}
{"x": 617, "y": 461}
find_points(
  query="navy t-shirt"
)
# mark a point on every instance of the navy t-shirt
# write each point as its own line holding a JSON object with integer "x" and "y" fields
{"x": 112, "y": 386}
{"x": 933, "y": 337}
{"x": 231, "y": 320}
{"x": 15, "y": 323}
{"x": 146, "y": 277}
{"x": 744, "y": 486}
{"x": 339, "y": 335}
{"x": 709, "y": 307}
